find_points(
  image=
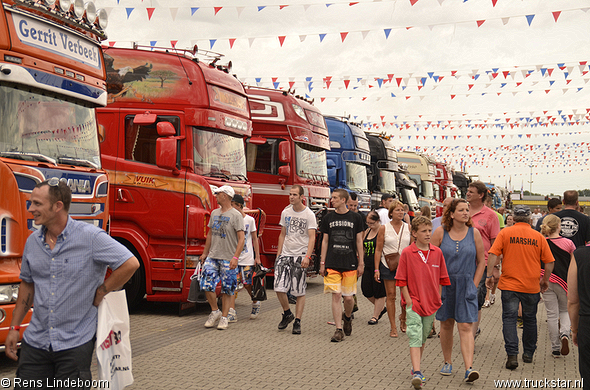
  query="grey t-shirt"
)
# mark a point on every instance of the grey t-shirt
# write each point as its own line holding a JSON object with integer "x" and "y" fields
{"x": 224, "y": 233}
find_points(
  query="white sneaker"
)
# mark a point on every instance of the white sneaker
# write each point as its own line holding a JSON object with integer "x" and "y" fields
{"x": 222, "y": 323}
{"x": 492, "y": 298}
{"x": 232, "y": 316}
{"x": 255, "y": 310}
{"x": 213, "y": 318}
{"x": 486, "y": 303}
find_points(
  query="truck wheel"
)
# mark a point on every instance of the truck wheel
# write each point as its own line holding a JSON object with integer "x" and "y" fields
{"x": 135, "y": 286}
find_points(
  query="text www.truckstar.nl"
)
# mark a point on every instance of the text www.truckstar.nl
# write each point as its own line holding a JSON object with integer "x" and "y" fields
{"x": 544, "y": 383}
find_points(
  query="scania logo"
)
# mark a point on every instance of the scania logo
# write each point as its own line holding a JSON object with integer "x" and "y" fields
{"x": 79, "y": 186}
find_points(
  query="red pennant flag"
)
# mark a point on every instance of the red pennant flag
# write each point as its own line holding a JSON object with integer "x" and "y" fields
{"x": 150, "y": 12}
{"x": 354, "y": 3}
{"x": 407, "y": 28}
{"x": 494, "y": 3}
{"x": 440, "y": 78}
{"x": 281, "y": 40}
{"x": 291, "y": 84}
{"x": 480, "y": 22}
{"x": 413, "y": 2}
{"x": 274, "y": 79}
{"x": 453, "y": 72}
{"x": 322, "y": 99}
{"x": 506, "y": 73}
{"x": 283, "y": 6}
{"x": 470, "y": 86}
{"x": 399, "y": 80}
{"x": 452, "y": 97}
{"x": 364, "y": 99}
{"x": 346, "y": 82}
{"x": 407, "y": 97}
{"x": 343, "y": 35}
{"x": 231, "y": 42}
{"x": 518, "y": 84}
{"x": 390, "y": 77}
{"x": 547, "y": 90}
{"x": 112, "y": 43}
{"x": 217, "y": 9}
{"x": 173, "y": 43}
{"x": 549, "y": 71}
{"x": 556, "y": 15}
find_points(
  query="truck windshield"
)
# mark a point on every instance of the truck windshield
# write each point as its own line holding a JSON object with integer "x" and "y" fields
{"x": 311, "y": 162}
{"x": 356, "y": 176}
{"x": 40, "y": 126}
{"x": 218, "y": 154}
{"x": 387, "y": 181}
{"x": 427, "y": 189}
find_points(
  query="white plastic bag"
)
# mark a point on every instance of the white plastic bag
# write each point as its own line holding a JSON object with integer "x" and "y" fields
{"x": 113, "y": 348}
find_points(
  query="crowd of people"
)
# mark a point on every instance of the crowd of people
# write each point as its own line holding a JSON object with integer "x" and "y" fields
{"x": 446, "y": 269}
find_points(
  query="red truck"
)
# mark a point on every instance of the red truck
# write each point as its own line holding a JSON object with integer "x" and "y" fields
{"x": 443, "y": 185}
{"x": 49, "y": 89}
{"x": 175, "y": 125}
{"x": 288, "y": 146}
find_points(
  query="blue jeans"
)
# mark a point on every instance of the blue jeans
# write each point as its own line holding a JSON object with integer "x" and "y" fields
{"x": 510, "y": 300}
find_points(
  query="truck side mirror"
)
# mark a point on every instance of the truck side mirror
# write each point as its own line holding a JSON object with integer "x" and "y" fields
{"x": 284, "y": 152}
{"x": 166, "y": 153}
{"x": 165, "y": 129}
{"x": 285, "y": 170}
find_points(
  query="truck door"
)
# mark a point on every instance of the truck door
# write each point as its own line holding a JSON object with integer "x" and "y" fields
{"x": 149, "y": 200}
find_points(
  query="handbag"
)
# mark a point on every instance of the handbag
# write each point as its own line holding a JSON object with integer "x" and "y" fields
{"x": 113, "y": 348}
{"x": 258, "y": 288}
{"x": 195, "y": 294}
{"x": 392, "y": 259}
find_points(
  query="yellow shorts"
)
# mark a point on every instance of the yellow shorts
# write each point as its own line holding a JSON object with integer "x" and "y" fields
{"x": 340, "y": 282}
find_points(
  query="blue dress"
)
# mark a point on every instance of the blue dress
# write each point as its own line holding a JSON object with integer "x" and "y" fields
{"x": 459, "y": 300}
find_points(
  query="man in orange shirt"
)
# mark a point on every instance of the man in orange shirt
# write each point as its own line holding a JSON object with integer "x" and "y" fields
{"x": 524, "y": 249}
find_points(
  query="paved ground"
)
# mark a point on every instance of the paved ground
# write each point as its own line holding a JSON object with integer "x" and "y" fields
{"x": 179, "y": 353}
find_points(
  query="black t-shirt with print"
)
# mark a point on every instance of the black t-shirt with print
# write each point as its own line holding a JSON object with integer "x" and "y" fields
{"x": 342, "y": 230}
{"x": 575, "y": 226}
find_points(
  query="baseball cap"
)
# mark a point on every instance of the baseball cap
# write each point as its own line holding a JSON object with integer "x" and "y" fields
{"x": 225, "y": 189}
{"x": 238, "y": 199}
{"x": 522, "y": 210}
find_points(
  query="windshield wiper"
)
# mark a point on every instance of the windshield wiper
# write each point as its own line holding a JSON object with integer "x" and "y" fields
{"x": 217, "y": 174}
{"x": 77, "y": 161}
{"x": 239, "y": 176}
{"x": 33, "y": 156}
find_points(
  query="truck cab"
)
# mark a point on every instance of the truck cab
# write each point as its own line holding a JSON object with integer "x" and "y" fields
{"x": 384, "y": 161}
{"x": 444, "y": 186}
{"x": 174, "y": 124}
{"x": 48, "y": 128}
{"x": 348, "y": 159}
{"x": 421, "y": 170}
{"x": 288, "y": 146}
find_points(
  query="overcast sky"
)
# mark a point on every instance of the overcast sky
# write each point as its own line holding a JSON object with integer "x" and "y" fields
{"x": 465, "y": 80}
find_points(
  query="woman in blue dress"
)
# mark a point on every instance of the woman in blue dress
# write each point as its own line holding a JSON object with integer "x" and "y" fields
{"x": 462, "y": 247}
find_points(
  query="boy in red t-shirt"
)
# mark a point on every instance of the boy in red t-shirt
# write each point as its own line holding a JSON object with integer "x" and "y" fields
{"x": 421, "y": 274}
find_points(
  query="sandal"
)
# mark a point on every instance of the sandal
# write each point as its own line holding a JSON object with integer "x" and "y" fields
{"x": 402, "y": 324}
{"x": 373, "y": 321}
{"x": 393, "y": 333}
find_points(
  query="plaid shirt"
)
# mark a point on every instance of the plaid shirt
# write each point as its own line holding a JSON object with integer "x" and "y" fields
{"x": 65, "y": 281}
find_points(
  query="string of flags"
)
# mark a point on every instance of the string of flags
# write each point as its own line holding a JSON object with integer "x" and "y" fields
{"x": 190, "y": 12}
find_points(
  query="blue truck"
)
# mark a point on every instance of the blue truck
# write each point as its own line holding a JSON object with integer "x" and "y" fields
{"x": 349, "y": 159}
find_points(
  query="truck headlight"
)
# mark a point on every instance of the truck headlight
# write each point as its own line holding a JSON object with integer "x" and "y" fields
{"x": 192, "y": 261}
{"x": 8, "y": 293}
